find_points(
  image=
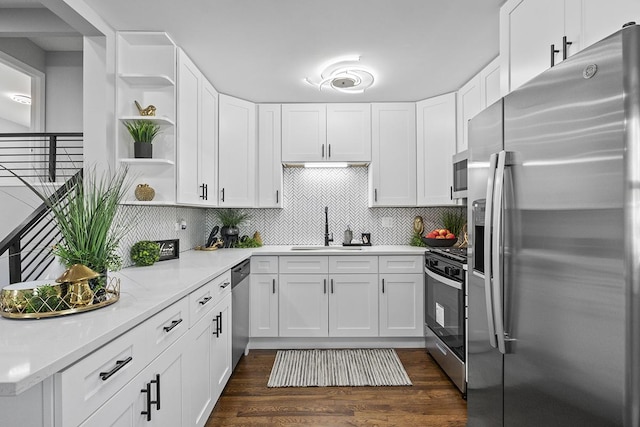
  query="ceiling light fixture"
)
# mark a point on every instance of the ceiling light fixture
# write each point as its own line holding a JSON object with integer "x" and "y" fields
{"x": 345, "y": 75}
{"x": 21, "y": 99}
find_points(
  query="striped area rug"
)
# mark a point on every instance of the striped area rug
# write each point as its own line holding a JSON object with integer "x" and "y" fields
{"x": 344, "y": 367}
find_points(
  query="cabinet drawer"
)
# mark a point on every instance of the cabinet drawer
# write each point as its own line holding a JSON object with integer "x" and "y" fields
{"x": 353, "y": 264}
{"x": 85, "y": 386}
{"x": 264, "y": 264}
{"x": 166, "y": 327}
{"x": 221, "y": 286}
{"x": 201, "y": 301}
{"x": 401, "y": 264}
{"x": 303, "y": 264}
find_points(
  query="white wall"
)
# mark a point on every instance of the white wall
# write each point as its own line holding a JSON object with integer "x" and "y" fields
{"x": 63, "y": 99}
{"x": 7, "y": 126}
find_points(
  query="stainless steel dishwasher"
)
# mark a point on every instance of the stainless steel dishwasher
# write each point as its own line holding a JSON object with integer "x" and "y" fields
{"x": 239, "y": 310}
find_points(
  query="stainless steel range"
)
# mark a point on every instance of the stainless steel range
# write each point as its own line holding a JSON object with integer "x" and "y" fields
{"x": 445, "y": 311}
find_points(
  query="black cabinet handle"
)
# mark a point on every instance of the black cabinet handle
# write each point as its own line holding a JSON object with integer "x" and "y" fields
{"x": 119, "y": 365}
{"x": 325, "y": 286}
{"x": 224, "y": 285}
{"x": 223, "y": 194}
{"x": 383, "y": 286}
{"x": 205, "y": 300}
{"x": 157, "y": 383}
{"x": 220, "y": 323}
{"x": 331, "y": 285}
{"x": 375, "y": 195}
{"x": 451, "y": 192}
{"x": 553, "y": 54}
{"x": 329, "y": 150}
{"x": 216, "y": 332}
{"x": 147, "y": 390}
{"x": 323, "y": 151}
{"x": 273, "y": 286}
{"x": 277, "y": 196}
{"x": 565, "y": 47}
{"x": 206, "y": 191}
{"x": 202, "y": 187}
{"x": 172, "y": 325}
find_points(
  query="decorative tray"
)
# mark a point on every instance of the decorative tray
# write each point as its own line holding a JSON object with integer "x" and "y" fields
{"x": 46, "y": 298}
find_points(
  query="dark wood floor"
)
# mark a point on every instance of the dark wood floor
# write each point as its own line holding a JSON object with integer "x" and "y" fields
{"x": 431, "y": 401}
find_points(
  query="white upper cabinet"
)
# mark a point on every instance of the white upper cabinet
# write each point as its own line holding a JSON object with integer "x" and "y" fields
{"x": 536, "y": 34}
{"x": 304, "y": 132}
{"x": 269, "y": 156}
{"x": 469, "y": 104}
{"x": 348, "y": 133}
{"x": 436, "y": 131}
{"x": 326, "y": 133}
{"x": 146, "y": 73}
{"x": 197, "y": 136}
{"x": 490, "y": 83}
{"x": 237, "y": 151}
{"x": 392, "y": 172}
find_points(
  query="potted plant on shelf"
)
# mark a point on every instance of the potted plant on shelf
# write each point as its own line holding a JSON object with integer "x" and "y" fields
{"x": 230, "y": 220}
{"x": 143, "y": 132}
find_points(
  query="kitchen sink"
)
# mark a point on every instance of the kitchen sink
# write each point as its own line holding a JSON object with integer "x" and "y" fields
{"x": 325, "y": 248}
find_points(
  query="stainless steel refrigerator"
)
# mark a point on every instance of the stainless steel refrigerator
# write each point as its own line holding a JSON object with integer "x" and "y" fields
{"x": 554, "y": 272}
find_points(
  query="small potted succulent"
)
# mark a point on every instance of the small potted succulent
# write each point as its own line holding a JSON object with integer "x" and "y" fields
{"x": 143, "y": 132}
{"x": 145, "y": 252}
{"x": 230, "y": 220}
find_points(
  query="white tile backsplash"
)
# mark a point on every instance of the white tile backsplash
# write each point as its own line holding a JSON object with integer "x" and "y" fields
{"x": 300, "y": 222}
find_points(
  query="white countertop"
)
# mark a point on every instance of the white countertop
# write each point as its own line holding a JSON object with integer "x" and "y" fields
{"x": 32, "y": 350}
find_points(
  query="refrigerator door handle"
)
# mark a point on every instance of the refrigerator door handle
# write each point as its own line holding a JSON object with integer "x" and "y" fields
{"x": 497, "y": 250}
{"x": 487, "y": 250}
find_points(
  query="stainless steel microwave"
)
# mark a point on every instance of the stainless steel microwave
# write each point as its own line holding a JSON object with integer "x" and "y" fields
{"x": 459, "y": 189}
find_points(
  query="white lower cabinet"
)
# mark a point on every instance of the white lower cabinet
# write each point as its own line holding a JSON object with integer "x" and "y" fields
{"x": 155, "y": 397}
{"x": 263, "y": 296}
{"x": 353, "y": 305}
{"x": 304, "y": 305}
{"x": 200, "y": 369}
{"x": 221, "y": 352}
{"x": 401, "y": 305}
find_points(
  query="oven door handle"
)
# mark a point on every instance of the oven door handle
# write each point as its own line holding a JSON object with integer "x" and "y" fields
{"x": 443, "y": 280}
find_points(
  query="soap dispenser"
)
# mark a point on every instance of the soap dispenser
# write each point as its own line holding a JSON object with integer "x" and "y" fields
{"x": 348, "y": 236}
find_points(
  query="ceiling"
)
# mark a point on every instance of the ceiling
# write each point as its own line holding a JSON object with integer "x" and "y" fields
{"x": 261, "y": 50}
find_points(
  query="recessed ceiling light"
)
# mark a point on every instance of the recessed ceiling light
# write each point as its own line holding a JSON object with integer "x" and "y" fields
{"x": 344, "y": 74}
{"x": 21, "y": 99}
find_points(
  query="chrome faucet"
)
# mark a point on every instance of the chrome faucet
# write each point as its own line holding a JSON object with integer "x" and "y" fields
{"x": 327, "y": 239}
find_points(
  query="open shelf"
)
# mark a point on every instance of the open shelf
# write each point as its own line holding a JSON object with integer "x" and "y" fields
{"x": 159, "y": 80}
{"x": 160, "y": 120}
{"x": 134, "y": 161}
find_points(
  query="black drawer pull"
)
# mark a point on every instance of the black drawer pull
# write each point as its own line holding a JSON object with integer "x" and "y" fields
{"x": 173, "y": 325}
{"x": 157, "y": 383}
{"x": 119, "y": 365}
{"x": 147, "y": 390}
{"x": 224, "y": 285}
{"x": 205, "y": 300}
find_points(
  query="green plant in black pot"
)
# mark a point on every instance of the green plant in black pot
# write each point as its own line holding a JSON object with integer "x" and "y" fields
{"x": 143, "y": 133}
{"x": 145, "y": 252}
{"x": 230, "y": 220}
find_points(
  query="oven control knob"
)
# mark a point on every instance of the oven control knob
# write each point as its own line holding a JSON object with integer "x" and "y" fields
{"x": 433, "y": 263}
{"x": 452, "y": 271}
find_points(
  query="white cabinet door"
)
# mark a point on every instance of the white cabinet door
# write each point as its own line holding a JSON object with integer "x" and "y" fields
{"x": 600, "y": 19}
{"x": 197, "y": 136}
{"x": 348, "y": 132}
{"x": 199, "y": 375}
{"x": 264, "y": 305}
{"x": 304, "y": 132}
{"x": 469, "y": 104}
{"x": 304, "y": 310}
{"x": 208, "y": 146}
{"x": 436, "y": 125}
{"x": 188, "y": 130}
{"x": 237, "y": 151}
{"x": 393, "y": 166}
{"x": 269, "y": 156}
{"x": 221, "y": 353}
{"x": 490, "y": 83}
{"x": 353, "y": 305}
{"x": 401, "y": 305}
{"x": 155, "y": 397}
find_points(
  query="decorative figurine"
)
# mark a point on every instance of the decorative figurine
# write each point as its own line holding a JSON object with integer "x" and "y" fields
{"x": 148, "y": 111}
{"x": 418, "y": 225}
